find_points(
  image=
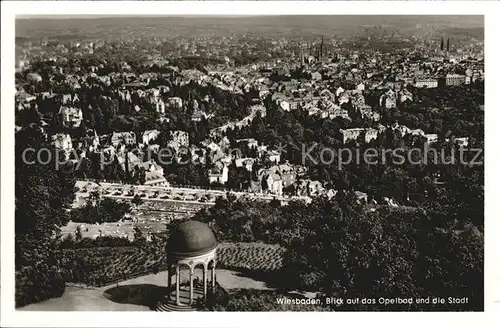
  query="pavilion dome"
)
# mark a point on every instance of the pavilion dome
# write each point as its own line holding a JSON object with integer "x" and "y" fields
{"x": 191, "y": 238}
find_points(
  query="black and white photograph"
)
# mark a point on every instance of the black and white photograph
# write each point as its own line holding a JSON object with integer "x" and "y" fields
{"x": 246, "y": 162}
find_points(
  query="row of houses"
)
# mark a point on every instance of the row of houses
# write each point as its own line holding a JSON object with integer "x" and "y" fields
{"x": 369, "y": 134}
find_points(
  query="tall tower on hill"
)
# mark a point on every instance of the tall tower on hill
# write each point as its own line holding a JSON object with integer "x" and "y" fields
{"x": 448, "y": 45}
{"x": 442, "y": 43}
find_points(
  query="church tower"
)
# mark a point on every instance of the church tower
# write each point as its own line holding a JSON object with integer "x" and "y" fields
{"x": 302, "y": 57}
{"x": 321, "y": 49}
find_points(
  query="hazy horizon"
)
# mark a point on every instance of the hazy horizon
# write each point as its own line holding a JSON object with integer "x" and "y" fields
{"x": 117, "y": 16}
{"x": 97, "y": 25}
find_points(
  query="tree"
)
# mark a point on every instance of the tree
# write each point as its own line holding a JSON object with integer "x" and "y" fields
{"x": 139, "y": 236}
{"x": 338, "y": 248}
{"x": 141, "y": 175}
{"x": 234, "y": 181}
{"x": 107, "y": 210}
{"x": 137, "y": 200}
{"x": 42, "y": 195}
{"x": 94, "y": 197}
{"x": 78, "y": 234}
{"x": 275, "y": 202}
{"x": 343, "y": 250}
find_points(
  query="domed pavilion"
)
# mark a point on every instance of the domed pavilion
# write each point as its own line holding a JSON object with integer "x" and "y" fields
{"x": 192, "y": 245}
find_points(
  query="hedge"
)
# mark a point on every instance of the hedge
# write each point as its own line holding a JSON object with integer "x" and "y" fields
{"x": 36, "y": 284}
{"x": 105, "y": 265}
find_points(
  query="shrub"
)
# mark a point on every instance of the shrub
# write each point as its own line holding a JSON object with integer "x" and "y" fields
{"x": 105, "y": 241}
{"x": 36, "y": 284}
{"x": 137, "y": 200}
{"x": 250, "y": 256}
{"x": 219, "y": 298}
{"x": 105, "y": 265}
{"x": 102, "y": 265}
{"x": 38, "y": 275}
{"x": 107, "y": 210}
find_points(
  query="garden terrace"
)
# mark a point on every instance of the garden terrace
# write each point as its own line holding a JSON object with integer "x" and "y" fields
{"x": 106, "y": 265}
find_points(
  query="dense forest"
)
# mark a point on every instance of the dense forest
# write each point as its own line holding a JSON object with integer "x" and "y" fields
{"x": 341, "y": 249}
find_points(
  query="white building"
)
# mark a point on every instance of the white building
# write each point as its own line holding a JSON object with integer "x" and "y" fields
{"x": 274, "y": 156}
{"x": 149, "y": 135}
{"x": 179, "y": 139}
{"x": 431, "y": 138}
{"x": 220, "y": 174}
{"x": 123, "y": 137}
{"x": 62, "y": 141}
{"x": 351, "y": 134}
{"x": 426, "y": 83}
{"x": 71, "y": 117}
{"x": 284, "y": 105}
{"x": 174, "y": 102}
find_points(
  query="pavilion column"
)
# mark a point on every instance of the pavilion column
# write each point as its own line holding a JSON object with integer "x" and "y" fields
{"x": 169, "y": 279}
{"x": 213, "y": 277}
{"x": 205, "y": 282}
{"x": 177, "y": 285}
{"x": 170, "y": 275}
{"x": 190, "y": 286}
